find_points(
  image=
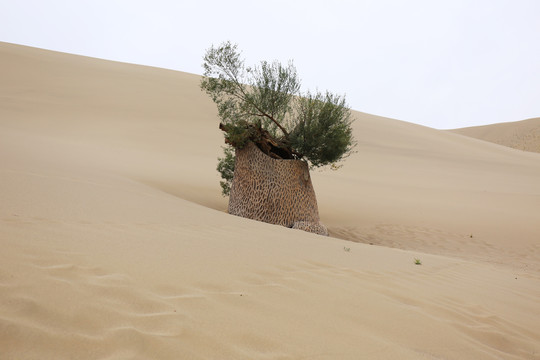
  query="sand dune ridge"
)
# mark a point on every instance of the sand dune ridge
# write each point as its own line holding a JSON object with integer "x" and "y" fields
{"x": 115, "y": 243}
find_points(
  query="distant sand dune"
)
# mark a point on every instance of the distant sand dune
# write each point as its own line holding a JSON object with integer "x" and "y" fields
{"x": 521, "y": 135}
{"x": 115, "y": 243}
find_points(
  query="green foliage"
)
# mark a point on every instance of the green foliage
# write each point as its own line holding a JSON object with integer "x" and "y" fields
{"x": 273, "y": 88}
{"x": 322, "y": 131}
{"x": 312, "y": 126}
{"x": 257, "y": 95}
{"x": 226, "y": 168}
{"x": 238, "y": 134}
{"x": 417, "y": 261}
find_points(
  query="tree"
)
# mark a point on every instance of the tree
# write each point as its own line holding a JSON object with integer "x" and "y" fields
{"x": 263, "y": 104}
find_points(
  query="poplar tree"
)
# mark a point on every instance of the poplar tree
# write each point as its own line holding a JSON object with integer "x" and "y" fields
{"x": 264, "y": 104}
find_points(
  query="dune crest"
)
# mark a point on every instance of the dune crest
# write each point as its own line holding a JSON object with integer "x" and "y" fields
{"x": 115, "y": 243}
{"x": 522, "y": 135}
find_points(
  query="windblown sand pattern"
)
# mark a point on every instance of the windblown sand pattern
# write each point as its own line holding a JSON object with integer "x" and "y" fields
{"x": 115, "y": 243}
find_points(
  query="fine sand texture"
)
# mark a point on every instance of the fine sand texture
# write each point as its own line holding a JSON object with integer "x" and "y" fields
{"x": 522, "y": 135}
{"x": 115, "y": 243}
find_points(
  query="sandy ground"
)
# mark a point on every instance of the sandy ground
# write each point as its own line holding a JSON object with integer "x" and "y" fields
{"x": 115, "y": 243}
{"x": 522, "y": 135}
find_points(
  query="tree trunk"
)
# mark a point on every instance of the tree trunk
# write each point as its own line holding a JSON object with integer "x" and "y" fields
{"x": 275, "y": 191}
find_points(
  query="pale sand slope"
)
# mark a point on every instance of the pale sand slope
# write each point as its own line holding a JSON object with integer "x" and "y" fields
{"x": 104, "y": 257}
{"x": 521, "y": 135}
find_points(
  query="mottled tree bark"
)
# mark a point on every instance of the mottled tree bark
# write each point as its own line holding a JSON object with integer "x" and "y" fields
{"x": 275, "y": 191}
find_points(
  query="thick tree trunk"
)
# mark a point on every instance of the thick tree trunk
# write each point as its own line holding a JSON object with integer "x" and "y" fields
{"x": 275, "y": 191}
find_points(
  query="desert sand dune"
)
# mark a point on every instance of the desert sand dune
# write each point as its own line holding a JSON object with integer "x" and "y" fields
{"x": 521, "y": 135}
{"x": 115, "y": 243}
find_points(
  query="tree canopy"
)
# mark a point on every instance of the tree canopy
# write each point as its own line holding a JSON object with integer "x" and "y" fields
{"x": 263, "y": 104}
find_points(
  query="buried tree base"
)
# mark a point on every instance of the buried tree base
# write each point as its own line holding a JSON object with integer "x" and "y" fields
{"x": 275, "y": 191}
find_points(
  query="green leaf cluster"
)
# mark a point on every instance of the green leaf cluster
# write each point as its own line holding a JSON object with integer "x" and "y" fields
{"x": 315, "y": 126}
{"x": 226, "y": 168}
{"x": 322, "y": 131}
{"x": 260, "y": 95}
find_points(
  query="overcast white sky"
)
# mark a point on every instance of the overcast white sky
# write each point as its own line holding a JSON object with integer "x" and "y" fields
{"x": 444, "y": 64}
